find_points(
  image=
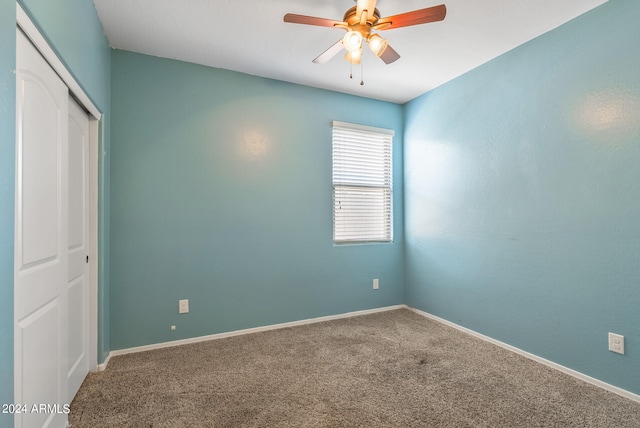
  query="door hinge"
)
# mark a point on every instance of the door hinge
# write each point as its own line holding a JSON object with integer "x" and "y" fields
{"x": 87, "y": 259}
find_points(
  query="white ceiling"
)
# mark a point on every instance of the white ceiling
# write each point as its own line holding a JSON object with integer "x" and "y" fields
{"x": 250, "y": 36}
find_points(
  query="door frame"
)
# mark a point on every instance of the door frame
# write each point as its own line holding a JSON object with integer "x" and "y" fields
{"x": 33, "y": 34}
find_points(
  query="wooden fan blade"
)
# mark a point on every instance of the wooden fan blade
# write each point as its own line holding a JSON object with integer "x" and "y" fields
{"x": 368, "y": 5}
{"x": 311, "y": 20}
{"x": 389, "y": 55}
{"x": 329, "y": 53}
{"x": 420, "y": 16}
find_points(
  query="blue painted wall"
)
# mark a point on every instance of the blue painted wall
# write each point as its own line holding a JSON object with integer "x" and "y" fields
{"x": 7, "y": 186}
{"x": 522, "y": 184}
{"x": 221, "y": 194}
{"x": 73, "y": 30}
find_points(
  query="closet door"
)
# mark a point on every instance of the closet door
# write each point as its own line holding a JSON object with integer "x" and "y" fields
{"x": 78, "y": 248}
{"x": 41, "y": 241}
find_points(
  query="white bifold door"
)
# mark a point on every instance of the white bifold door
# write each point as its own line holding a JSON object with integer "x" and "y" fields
{"x": 51, "y": 243}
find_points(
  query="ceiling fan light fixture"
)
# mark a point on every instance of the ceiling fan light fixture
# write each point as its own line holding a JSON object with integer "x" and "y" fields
{"x": 354, "y": 56}
{"x": 377, "y": 44}
{"x": 352, "y": 41}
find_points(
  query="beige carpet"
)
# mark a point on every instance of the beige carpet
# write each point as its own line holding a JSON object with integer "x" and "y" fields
{"x": 390, "y": 369}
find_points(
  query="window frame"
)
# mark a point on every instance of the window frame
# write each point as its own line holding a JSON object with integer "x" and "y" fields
{"x": 369, "y": 185}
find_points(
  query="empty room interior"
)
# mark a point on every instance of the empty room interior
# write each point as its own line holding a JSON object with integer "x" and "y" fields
{"x": 513, "y": 201}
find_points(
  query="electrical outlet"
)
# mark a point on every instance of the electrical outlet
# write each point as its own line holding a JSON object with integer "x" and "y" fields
{"x": 616, "y": 343}
{"x": 173, "y": 327}
{"x": 376, "y": 284}
{"x": 183, "y": 306}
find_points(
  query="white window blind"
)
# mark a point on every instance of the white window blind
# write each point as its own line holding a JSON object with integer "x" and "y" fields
{"x": 362, "y": 183}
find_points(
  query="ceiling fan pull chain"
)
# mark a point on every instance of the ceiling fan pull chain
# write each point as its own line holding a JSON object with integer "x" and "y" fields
{"x": 361, "y": 74}
{"x": 350, "y": 70}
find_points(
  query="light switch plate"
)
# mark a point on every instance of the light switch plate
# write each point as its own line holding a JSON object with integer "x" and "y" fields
{"x": 183, "y": 306}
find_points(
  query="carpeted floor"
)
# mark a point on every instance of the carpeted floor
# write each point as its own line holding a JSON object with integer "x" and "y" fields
{"x": 389, "y": 369}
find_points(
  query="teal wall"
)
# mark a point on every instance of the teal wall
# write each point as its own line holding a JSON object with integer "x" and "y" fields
{"x": 7, "y": 180}
{"x": 73, "y": 30}
{"x": 522, "y": 185}
{"x": 221, "y": 194}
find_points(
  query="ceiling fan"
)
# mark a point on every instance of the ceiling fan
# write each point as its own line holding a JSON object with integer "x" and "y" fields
{"x": 360, "y": 21}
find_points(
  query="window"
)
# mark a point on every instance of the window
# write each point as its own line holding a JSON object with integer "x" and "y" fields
{"x": 362, "y": 183}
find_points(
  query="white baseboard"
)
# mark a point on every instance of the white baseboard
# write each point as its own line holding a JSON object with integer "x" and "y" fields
{"x": 103, "y": 366}
{"x": 622, "y": 392}
{"x": 172, "y": 343}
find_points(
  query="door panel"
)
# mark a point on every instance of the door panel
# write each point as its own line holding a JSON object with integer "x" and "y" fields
{"x": 77, "y": 363}
{"x": 41, "y": 262}
{"x": 40, "y": 336}
{"x": 41, "y": 181}
{"x": 78, "y": 152}
{"x": 78, "y": 248}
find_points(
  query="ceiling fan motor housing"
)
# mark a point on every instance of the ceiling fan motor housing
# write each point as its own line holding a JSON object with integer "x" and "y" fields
{"x": 351, "y": 18}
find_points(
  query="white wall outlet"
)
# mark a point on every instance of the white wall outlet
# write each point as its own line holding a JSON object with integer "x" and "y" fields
{"x": 183, "y": 306}
{"x": 173, "y": 327}
{"x": 616, "y": 343}
{"x": 376, "y": 284}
